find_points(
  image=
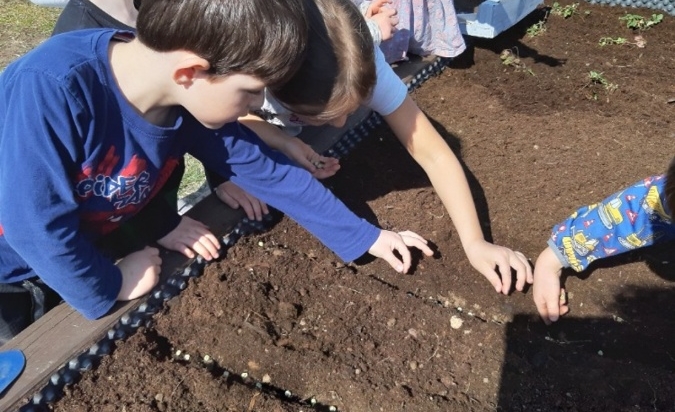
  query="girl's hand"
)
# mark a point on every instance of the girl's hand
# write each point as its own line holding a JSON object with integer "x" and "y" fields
{"x": 375, "y": 7}
{"x": 386, "y": 20}
{"x": 485, "y": 257}
{"x": 301, "y": 153}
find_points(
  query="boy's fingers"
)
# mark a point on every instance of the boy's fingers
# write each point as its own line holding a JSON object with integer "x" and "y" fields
{"x": 214, "y": 241}
{"x": 248, "y": 210}
{"x": 153, "y": 251}
{"x": 543, "y": 312}
{"x": 412, "y": 239}
{"x": 405, "y": 255}
{"x": 226, "y": 198}
{"x": 394, "y": 262}
{"x": 202, "y": 251}
{"x": 185, "y": 251}
{"x": 210, "y": 246}
{"x": 553, "y": 309}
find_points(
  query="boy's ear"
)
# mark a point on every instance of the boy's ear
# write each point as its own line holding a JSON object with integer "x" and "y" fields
{"x": 189, "y": 68}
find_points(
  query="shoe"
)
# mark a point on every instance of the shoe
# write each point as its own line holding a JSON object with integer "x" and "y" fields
{"x": 12, "y": 363}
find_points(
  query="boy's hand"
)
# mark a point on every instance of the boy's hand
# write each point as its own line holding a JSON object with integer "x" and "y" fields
{"x": 235, "y": 197}
{"x": 386, "y": 20}
{"x": 191, "y": 236}
{"x": 485, "y": 256}
{"x": 301, "y": 153}
{"x": 388, "y": 242}
{"x": 546, "y": 291}
{"x": 140, "y": 273}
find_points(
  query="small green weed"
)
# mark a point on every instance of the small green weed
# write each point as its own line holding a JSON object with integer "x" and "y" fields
{"x": 598, "y": 78}
{"x": 639, "y": 41}
{"x": 606, "y": 41}
{"x": 637, "y": 22}
{"x": 564, "y": 11}
{"x": 511, "y": 59}
{"x": 537, "y": 29}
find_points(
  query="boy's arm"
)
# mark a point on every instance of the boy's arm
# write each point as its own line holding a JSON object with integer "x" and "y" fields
{"x": 442, "y": 167}
{"x": 627, "y": 220}
{"x": 271, "y": 177}
{"x": 39, "y": 213}
{"x": 630, "y": 219}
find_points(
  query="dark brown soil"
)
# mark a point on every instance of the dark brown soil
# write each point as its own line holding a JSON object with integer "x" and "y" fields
{"x": 538, "y": 141}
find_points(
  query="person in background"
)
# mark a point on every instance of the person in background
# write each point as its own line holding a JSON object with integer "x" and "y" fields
{"x": 630, "y": 219}
{"x": 423, "y": 28}
{"x": 89, "y": 14}
{"x": 341, "y": 71}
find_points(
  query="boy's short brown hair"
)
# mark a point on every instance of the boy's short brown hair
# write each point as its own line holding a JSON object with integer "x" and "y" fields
{"x": 670, "y": 188}
{"x": 261, "y": 38}
{"x": 338, "y": 72}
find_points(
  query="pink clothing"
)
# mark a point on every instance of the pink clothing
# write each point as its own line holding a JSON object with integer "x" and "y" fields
{"x": 425, "y": 27}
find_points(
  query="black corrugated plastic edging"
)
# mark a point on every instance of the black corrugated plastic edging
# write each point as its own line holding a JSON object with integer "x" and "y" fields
{"x": 667, "y": 6}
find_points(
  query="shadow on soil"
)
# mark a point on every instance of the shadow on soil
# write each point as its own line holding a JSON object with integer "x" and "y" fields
{"x": 510, "y": 39}
{"x": 622, "y": 362}
{"x": 390, "y": 168}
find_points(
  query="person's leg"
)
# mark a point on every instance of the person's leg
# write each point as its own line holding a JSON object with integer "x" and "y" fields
{"x": 23, "y": 303}
{"x": 16, "y": 307}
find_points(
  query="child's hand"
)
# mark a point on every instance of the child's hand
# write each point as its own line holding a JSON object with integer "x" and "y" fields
{"x": 301, "y": 153}
{"x": 388, "y": 241}
{"x": 235, "y": 197}
{"x": 386, "y": 20}
{"x": 485, "y": 256}
{"x": 140, "y": 273}
{"x": 375, "y": 7}
{"x": 546, "y": 291}
{"x": 191, "y": 236}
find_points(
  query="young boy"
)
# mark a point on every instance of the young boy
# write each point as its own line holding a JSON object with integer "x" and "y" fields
{"x": 343, "y": 70}
{"x": 94, "y": 121}
{"x": 158, "y": 221}
{"x": 633, "y": 218}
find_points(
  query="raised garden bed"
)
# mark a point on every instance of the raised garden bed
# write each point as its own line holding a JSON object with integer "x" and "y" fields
{"x": 539, "y": 138}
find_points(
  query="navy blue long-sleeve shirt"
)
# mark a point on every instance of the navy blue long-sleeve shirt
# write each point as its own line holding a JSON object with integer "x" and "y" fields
{"x": 76, "y": 160}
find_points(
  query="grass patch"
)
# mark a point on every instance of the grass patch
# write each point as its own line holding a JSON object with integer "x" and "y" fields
{"x": 193, "y": 177}
{"x": 23, "y": 25}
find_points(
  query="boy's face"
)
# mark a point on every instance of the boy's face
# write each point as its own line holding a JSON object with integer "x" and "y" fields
{"x": 219, "y": 100}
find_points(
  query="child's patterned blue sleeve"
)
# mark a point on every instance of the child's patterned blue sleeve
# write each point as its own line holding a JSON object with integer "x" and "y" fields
{"x": 630, "y": 219}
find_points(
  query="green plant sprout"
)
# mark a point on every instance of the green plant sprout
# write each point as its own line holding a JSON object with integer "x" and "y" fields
{"x": 564, "y": 11}
{"x": 511, "y": 59}
{"x": 606, "y": 41}
{"x": 536, "y": 29}
{"x": 637, "y": 22}
{"x": 599, "y": 78}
